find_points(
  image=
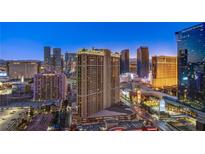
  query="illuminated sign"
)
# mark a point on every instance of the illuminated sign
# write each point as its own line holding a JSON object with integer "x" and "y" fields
{"x": 151, "y": 129}
{"x": 185, "y": 78}
{"x": 131, "y": 76}
{"x": 162, "y": 105}
{"x": 3, "y": 74}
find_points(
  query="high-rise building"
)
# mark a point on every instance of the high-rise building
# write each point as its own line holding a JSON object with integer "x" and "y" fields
{"x": 191, "y": 67}
{"x": 191, "y": 64}
{"x": 133, "y": 65}
{"x": 70, "y": 61}
{"x": 164, "y": 71}
{"x": 47, "y": 56}
{"x": 48, "y": 86}
{"x": 62, "y": 63}
{"x": 57, "y": 59}
{"x": 98, "y": 80}
{"x": 22, "y": 69}
{"x": 143, "y": 62}
{"x": 53, "y": 61}
{"x": 69, "y": 57}
{"x": 124, "y": 61}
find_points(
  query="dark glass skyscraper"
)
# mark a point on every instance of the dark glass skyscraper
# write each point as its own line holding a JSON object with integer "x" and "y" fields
{"x": 47, "y": 55}
{"x": 143, "y": 62}
{"x": 57, "y": 59}
{"x": 124, "y": 61}
{"x": 191, "y": 66}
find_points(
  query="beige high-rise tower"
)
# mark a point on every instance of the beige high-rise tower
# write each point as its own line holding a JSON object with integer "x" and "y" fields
{"x": 98, "y": 80}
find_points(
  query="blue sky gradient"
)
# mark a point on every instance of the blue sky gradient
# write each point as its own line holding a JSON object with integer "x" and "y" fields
{"x": 26, "y": 40}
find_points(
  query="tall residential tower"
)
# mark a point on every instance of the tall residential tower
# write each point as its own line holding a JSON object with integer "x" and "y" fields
{"x": 53, "y": 62}
{"x": 48, "y": 86}
{"x": 143, "y": 62}
{"x": 124, "y": 61}
{"x": 57, "y": 59}
{"x": 98, "y": 80}
{"x": 47, "y": 56}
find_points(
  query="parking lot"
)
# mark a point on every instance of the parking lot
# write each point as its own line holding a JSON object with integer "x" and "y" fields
{"x": 11, "y": 117}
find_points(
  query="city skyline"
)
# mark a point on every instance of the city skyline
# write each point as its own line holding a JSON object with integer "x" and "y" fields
{"x": 97, "y": 89}
{"x": 26, "y": 40}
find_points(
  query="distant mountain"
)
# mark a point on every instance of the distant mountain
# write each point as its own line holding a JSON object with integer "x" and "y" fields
{"x": 2, "y": 61}
{"x": 133, "y": 59}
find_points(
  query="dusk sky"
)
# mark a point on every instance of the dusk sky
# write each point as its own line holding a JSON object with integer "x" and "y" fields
{"x": 26, "y": 40}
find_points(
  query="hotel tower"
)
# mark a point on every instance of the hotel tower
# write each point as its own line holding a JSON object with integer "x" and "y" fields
{"x": 98, "y": 80}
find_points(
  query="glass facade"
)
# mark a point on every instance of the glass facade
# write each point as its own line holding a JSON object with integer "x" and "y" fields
{"x": 164, "y": 71}
{"x": 57, "y": 58}
{"x": 191, "y": 66}
{"x": 143, "y": 62}
{"x": 47, "y": 56}
{"x": 124, "y": 61}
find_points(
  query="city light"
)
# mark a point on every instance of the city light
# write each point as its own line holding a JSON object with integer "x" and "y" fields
{"x": 104, "y": 89}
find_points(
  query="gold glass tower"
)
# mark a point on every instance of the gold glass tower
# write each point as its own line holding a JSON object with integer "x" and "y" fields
{"x": 164, "y": 71}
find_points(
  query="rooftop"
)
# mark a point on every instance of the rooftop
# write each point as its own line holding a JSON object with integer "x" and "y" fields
{"x": 115, "y": 110}
{"x": 191, "y": 28}
{"x": 24, "y": 61}
{"x": 99, "y": 52}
